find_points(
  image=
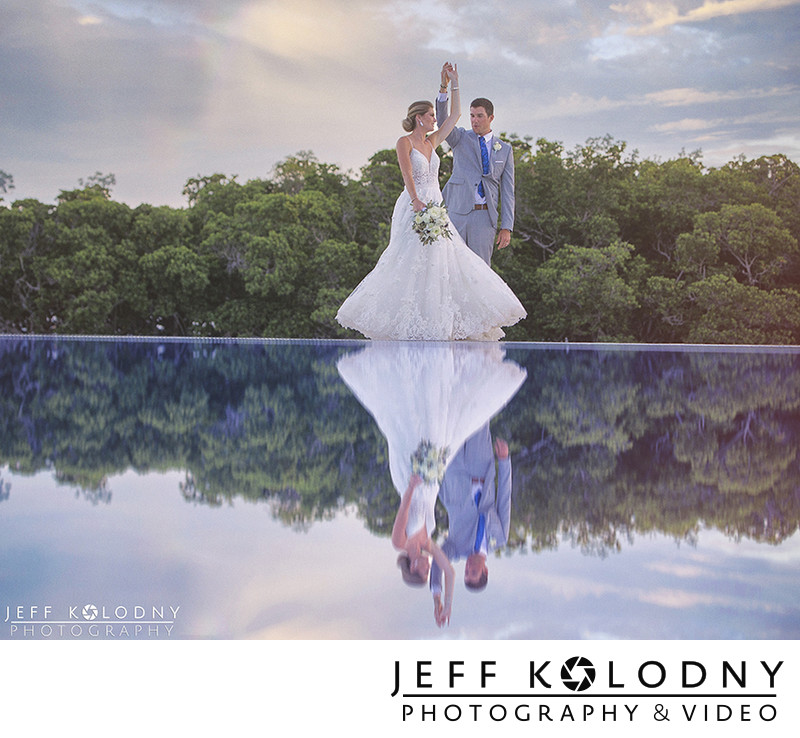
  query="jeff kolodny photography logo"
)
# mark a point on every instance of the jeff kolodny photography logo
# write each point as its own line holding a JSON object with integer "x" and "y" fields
{"x": 578, "y": 689}
{"x": 91, "y": 620}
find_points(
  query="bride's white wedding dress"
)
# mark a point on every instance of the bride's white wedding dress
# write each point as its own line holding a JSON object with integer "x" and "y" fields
{"x": 439, "y": 393}
{"x": 439, "y": 291}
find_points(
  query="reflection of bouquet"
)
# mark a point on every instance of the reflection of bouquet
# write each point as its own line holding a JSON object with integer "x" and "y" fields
{"x": 429, "y": 462}
{"x": 432, "y": 223}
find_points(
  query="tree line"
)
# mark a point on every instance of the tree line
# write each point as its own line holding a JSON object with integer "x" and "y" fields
{"x": 607, "y": 246}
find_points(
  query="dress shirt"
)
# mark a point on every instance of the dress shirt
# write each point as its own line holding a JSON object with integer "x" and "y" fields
{"x": 488, "y": 138}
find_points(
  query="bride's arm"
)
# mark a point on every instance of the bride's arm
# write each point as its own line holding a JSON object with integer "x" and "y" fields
{"x": 404, "y": 160}
{"x": 399, "y": 537}
{"x": 449, "y": 123}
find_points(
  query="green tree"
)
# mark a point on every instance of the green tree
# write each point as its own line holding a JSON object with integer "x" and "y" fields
{"x": 776, "y": 185}
{"x": 81, "y": 268}
{"x": 305, "y": 172}
{"x": 22, "y": 239}
{"x": 752, "y": 237}
{"x": 660, "y": 203}
{"x": 729, "y": 312}
{"x": 6, "y": 182}
{"x": 176, "y": 278}
{"x": 585, "y": 294}
{"x": 571, "y": 197}
{"x": 271, "y": 243}
{"x": 375, "y": 194}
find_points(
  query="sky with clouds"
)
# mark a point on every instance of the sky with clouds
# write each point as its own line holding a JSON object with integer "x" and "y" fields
{"x": 158, "y": 91}
{"x": 235, "y": 572}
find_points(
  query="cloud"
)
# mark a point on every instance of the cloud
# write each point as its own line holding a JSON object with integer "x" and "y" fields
{"x": 578, "y": 104}
{"x": 305, "y": 31}
{"x": 692, "y": 96}
{"x": 683, "y": 571}
{"x": 679, "y": 599}
{"x": 649, "y": 17}
{"x": 617, "y": 45}
{"x": 686, "y": 124}
{"x": 493, "y": 32}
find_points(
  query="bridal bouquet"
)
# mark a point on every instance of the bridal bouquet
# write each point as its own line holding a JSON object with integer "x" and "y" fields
{"x": 432, "y": 223}
{"x": 429, "y": 462}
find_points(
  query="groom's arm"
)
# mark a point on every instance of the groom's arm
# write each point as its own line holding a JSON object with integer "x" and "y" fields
{"x": 498, "y": 517}
{"x": 441, "y": 106}
{"x": 507, "y": 201}
{"x": 503, "y": 496}
{"x": 441, "y": 114}
{"x": 435, "y": 579}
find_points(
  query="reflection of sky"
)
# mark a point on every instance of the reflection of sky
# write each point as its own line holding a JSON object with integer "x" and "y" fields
{"x": 237, "y": 573}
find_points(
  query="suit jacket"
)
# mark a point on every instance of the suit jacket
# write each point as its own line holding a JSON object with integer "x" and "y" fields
{"x": 474, "y": 459}
{"x": 498, "y": 184}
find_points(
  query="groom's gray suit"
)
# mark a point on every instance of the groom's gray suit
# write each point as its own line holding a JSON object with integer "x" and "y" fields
{"x": 474, "y": 460}
{"x": 478, "y": 227}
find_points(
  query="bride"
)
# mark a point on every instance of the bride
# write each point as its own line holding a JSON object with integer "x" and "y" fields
{"x": 426, "y": 401}
{"x": 428, "y": 291}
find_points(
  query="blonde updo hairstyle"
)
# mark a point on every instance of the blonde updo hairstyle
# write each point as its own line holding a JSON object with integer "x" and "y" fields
{"x": 417, "y": 108}
{"x": 411, "y": 578}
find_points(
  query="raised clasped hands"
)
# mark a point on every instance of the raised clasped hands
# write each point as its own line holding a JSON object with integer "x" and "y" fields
{"x": 449, "y": 74}
{"x": 441, "y": 614}
{"x": 452, "y": 73}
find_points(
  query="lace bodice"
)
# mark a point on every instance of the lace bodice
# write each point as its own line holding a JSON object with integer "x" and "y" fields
{"x": 424, "y": 173}
{"x": 421, "y": 511}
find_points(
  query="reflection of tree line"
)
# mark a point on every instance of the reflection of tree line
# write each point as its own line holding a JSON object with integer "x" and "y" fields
{"x": 669, "y": 442}
{"x": 604, "y": 444}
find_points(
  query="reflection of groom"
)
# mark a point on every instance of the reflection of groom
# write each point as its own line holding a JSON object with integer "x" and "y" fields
{"x": 478, "y": 514}
{"x": 482, "y": 178}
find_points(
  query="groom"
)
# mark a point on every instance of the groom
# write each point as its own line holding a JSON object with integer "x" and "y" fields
{"x": 478, "y": 504}
{"x": 482, "y": 181}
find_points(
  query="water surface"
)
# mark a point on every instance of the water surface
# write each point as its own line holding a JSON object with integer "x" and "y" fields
{"x": 239, "y": 489}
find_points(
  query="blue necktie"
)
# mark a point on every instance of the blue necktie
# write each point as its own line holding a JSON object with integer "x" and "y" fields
{"x": 481, "y": 525}
{"x": 485, "y": 162}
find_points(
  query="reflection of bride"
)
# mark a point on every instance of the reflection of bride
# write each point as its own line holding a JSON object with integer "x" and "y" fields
{"x": 427, "y": 399}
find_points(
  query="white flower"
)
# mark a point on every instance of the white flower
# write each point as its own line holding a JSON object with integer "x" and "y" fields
{"x": 497, "y": 146}
{"x": 432, "y": 223}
